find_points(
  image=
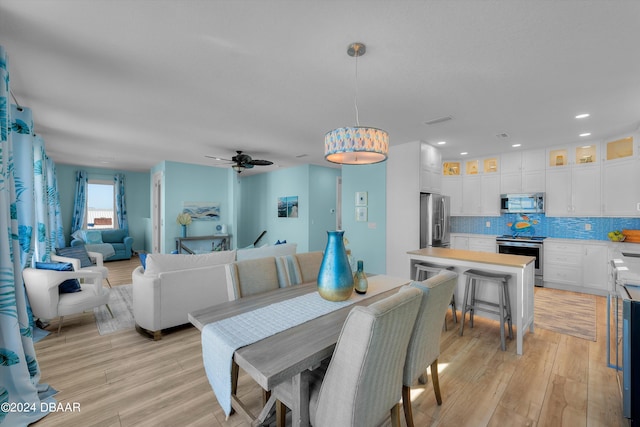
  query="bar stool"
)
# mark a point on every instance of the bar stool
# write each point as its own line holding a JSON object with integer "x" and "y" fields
{"x": 471, "y": 303}
{"x": 426, "y": 268}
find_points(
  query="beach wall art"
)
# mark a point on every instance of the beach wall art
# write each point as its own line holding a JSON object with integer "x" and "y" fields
{"x": 202, "y": 211}
{"x": 288, "y": 207}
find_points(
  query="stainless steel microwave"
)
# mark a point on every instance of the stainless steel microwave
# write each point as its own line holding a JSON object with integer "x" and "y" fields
{"x": 522, "y": 203}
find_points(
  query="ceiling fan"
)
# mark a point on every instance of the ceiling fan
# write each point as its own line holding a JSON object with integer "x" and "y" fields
{"x": 243, "y": 161}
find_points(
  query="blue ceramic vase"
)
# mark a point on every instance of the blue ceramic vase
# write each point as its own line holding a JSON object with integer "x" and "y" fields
{"x": 184, "y": 230}
{"x": 335, "y": 279}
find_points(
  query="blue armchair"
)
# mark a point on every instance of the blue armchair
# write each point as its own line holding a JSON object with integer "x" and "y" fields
{"x": 119, "y": 239}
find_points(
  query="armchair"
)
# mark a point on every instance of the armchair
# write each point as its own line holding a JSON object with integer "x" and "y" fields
{"x": 46, "y": 301}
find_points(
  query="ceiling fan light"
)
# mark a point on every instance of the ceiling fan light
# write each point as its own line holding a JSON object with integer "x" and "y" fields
{"x": 238, "y": 168}
{"x": 356, "y": 145}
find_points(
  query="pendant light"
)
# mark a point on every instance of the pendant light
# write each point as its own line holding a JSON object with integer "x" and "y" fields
{"x": 358, "y": 145}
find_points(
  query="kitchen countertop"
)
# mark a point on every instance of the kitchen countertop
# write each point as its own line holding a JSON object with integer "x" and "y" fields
{"x": 475, "y": 256}
{"x": 627, "y": 267}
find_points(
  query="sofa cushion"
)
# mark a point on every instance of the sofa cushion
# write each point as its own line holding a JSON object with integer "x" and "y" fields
{"x": 79, "y": 252}
{"x": 92, "y": 237}
{"x": 69, "y": 286}
{"x": 161, "y": 263}
{"x": 113, "y": 236}
{"x": 267, "y": 251}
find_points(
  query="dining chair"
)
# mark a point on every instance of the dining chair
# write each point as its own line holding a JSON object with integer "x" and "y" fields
{"x": 299, "y": 268}
{"x": 424, "y": 345}
{"x": 250, "y": 277}
{"x": 48, "y": 303}
{"x": 363, "y": 380}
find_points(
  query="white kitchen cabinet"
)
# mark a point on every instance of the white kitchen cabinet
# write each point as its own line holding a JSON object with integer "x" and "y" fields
{"x": 579, "y": 266}
{"x": 459, "y": 242}
{"x": 621, "y": 187}
{"x": 482, "y": 244}
{"x": 573, "y": 181}
{"x": 430, "y": 169}
{"x": 558, "y": 192}
{"x": 522, "y": 172}
{"x": 481, "y": 195}
{"x": 452, "y": 187}
{"x": 595, "y": 266}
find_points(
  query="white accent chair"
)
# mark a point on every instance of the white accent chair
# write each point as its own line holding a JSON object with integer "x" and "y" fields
{"x": 47, "y": 303}
{"x": 363, "y": 380}
{"x": 424, "y": 346}
{"x": 95, "y": 257}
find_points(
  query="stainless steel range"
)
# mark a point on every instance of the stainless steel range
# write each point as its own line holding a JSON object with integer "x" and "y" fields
{"x": 524, "y": 245}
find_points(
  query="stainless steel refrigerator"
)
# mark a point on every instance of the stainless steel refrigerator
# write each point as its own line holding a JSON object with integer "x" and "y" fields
{"x": 434, "y": 220}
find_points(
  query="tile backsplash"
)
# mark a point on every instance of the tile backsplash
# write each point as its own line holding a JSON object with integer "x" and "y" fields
{"x": 558, "y": 227}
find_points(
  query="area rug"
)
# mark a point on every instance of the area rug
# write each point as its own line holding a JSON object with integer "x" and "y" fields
{"x": 121, "y": 303}
{"x": 567, "y": 313}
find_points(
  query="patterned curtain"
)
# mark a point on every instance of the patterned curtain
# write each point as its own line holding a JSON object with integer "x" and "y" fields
{"x": 121, "y": 206}
{"x": 19, "y": 370}
{"x": 56, "y": 230}
{"x": 80, "y": 202}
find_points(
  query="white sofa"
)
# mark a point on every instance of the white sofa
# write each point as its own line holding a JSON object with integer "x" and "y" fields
{"x": 173, "y": 285}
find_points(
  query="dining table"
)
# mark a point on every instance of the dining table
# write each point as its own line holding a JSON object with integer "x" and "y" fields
{"x": 289, "y": 354}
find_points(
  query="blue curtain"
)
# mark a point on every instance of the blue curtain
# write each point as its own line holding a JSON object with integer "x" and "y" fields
{"x": 19, "y": 370}
{"x": 121, "y": 206}
{"x": 56, "y": 230}
{"x": 80, "y": 202}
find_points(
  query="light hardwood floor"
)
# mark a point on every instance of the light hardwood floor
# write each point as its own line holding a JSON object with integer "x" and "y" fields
{"x": 126, "y": 379}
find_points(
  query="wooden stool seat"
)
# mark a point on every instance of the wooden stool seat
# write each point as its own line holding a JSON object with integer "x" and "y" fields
{"x": 470, "y": 303}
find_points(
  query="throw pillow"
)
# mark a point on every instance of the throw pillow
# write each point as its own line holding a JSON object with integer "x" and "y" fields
{"x": 143, "y": 260}
{"x": 69, "y": 286}
{"x": 92, "y": 237}
{"x": 79, "y": 252}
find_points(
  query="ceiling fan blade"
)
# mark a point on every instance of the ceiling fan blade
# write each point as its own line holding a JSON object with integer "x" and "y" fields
{"x": 219, "y": 158}
{"x": 261, "y": 162}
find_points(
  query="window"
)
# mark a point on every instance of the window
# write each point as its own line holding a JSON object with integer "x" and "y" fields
{"x": 100, "y": 205}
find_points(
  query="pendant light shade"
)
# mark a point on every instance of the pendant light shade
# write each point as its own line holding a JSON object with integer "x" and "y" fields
{"x": 357, "y": 145}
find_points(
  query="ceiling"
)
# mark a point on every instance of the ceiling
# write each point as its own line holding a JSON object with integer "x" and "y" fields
{"x": 128, "y": 84}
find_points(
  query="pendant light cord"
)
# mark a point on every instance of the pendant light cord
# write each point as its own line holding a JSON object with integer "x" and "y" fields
{"x": 15, "y": 100}
{"x": 355, "y": 98}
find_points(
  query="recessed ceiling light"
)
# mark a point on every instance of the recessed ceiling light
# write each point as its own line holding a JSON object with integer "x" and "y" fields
{"x": 516, "y": 145}
{"x": 582, "y": 116}
{"x": 464, "y": 153}
{"x": 585, "y": 134}
{"x": 441, "y": 142}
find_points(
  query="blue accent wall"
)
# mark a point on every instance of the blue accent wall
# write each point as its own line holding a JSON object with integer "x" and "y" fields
{"x": 367, "y": 240}
{"x": 315, "y": 187}
{"x": 193, "y": 183}
{"x": 136, "y": 190}
{"x": 558, "y": 227}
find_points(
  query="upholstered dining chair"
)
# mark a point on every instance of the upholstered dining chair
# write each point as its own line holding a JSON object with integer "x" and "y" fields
{"x": 250, "y": 277}
{"x": 363, "y": 380}
{"x": 299, "y": 268}
{"x": 46, "y": 301}
{"x": 424, "y": 346}
{"x": 82, "y": 260}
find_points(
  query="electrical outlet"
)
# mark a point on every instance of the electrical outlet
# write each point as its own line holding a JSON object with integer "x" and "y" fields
{"x": 587, "y": 227}
{"x": 488, "y": 224}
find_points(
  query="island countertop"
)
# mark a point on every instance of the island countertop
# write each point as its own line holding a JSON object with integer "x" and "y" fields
{"x": 506, "y": 260}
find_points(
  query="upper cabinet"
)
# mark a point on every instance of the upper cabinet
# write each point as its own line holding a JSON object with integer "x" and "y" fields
{"x": 621, "y": 178}
{"x": 430, "y": 169}
{"x": 473, "y": 185}
{"x": 523, "y": 172}
{"x": 573, "y": 181}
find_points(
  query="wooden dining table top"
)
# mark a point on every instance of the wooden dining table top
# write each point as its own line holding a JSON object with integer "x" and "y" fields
{"x": 279, "y": 357}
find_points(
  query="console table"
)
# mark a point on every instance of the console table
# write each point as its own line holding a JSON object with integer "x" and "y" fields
{"x": 219, "y": 242}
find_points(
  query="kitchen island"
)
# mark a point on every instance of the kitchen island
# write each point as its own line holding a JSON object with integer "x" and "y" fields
{"x": 520, "y": 267}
